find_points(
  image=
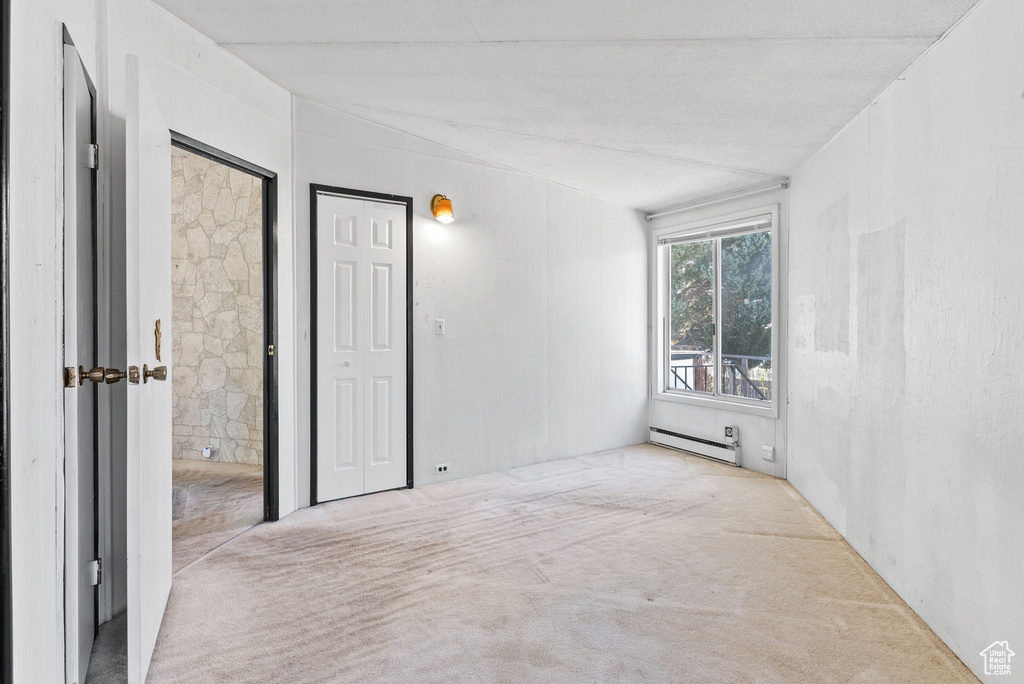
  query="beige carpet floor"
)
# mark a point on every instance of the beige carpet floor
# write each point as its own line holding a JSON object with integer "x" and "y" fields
{"x": 108, "y": 663}
{"x": 635, "y": 565}
{"x": 212, "y": 502}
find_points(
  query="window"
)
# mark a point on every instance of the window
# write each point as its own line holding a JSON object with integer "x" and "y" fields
{"x": 715, "y": 298}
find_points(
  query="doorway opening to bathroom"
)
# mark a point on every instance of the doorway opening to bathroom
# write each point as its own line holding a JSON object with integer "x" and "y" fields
{"x": 223, "y": 252}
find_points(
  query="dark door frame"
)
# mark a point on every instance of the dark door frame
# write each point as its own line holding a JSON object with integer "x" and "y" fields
{"x": 314, "y": 190}
{"x": 6, "y": 627}
{"x": 271, "y": 446}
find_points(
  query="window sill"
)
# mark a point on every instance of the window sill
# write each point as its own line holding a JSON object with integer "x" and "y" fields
{"x": 719, "y": 404}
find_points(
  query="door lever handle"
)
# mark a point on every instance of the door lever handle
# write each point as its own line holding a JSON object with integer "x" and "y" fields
{"x": 158, "y": 373}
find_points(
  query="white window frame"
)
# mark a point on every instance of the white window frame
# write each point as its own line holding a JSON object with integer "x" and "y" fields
{"x": 701, "y": 230}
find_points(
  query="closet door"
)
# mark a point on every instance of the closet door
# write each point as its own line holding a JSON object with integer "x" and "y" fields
{"x": 385, "y": 359}
{"x": 360, "y": 346}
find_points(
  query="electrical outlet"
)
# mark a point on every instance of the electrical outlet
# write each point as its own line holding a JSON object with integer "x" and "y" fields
{"x": 439, "y": 326}
{"x": 442, "y": 468}
{"x": 207, "y": 452}
{"x": 768, "y": 452}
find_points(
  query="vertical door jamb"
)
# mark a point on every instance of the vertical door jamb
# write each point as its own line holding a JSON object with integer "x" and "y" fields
{"x": 6, "y": 629}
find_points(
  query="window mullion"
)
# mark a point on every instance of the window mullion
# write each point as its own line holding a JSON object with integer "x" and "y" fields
{"x": 666, "y": 316}
{"x": 718, "y": 375}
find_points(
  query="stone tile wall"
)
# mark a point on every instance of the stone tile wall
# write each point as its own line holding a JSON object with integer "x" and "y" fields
{"x": 217, "y": 340}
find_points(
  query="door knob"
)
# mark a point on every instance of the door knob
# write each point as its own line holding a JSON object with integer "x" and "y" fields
{"x": 97, "y": 374}
{"x": 113, "y": 375}
{"x": 100, "y": 374}
{"x": 158, "y": 373}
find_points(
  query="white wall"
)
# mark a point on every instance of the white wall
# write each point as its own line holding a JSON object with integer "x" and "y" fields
{"x": 709, "y": 422}
{"x": 906, "y": 368}
{"x": 210, "y": 95}
{"x": 543, "y": 290}
{"x": 184, "y": 68}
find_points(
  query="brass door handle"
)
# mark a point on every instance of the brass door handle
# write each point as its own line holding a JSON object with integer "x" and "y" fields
{"x": 158, "y": 373}
{"x": 100, "y": 374}
{"x": 97, "y": 374}
{"x": 113, "y": 375}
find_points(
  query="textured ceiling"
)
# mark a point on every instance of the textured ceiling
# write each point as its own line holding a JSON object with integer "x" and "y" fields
{"x": 643, "y": 103}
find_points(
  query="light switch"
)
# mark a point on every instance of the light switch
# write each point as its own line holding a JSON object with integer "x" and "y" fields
{"x": 439, "y": 326}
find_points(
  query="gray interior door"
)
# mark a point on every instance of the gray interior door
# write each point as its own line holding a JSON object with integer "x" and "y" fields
{"x": 80, "y": 350}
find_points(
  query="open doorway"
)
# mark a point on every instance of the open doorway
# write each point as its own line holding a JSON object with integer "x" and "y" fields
{"x": 223, "y": 407}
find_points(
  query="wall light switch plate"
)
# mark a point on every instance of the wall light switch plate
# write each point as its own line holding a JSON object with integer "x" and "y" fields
{"x": 768, "y": 452}
{"x": 439, "y": 326}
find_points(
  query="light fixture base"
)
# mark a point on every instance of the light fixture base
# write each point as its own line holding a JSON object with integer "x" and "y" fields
{"x": 435, "y": 203}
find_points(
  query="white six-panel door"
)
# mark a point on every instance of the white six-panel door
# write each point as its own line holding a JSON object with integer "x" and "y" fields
{"x": 360, "y": 347}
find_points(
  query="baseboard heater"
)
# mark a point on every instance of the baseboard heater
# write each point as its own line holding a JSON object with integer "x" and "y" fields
{"x": 695, "y": 445}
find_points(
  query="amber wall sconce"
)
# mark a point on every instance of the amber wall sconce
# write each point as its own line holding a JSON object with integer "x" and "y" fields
{"x": 441, "y": 208}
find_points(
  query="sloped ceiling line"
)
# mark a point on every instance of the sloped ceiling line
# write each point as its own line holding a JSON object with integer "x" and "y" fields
{"x": 578, "y": 143}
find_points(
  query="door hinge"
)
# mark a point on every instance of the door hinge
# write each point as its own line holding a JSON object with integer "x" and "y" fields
{"x": 271, "y": 350}
{"x": 95, "y": 571}
{"x": 92, "y": 156}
